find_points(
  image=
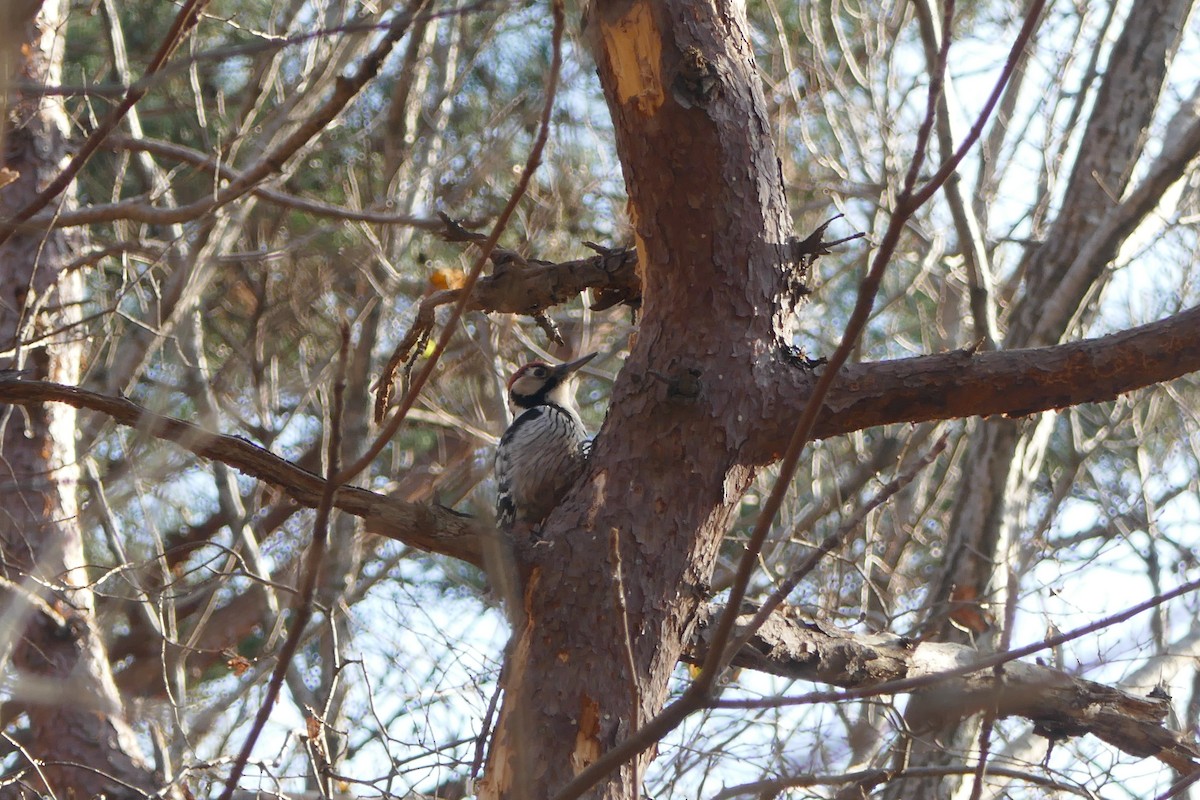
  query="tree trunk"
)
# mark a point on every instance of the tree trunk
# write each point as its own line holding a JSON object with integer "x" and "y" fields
{"x": 76, "y": 726}
{"x": 667, "y": 470}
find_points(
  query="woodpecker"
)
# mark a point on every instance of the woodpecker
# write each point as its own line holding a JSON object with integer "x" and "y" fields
{"x": 544, "y": 450}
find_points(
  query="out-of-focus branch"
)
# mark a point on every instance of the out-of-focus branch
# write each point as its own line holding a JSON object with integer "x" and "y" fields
{"x": 864, "y": 781}
{"x": 345, "y": 90}
{"x": 427, "y": 527}
{"x": 966, "y": 224}
{"x": 185, "y": 21}
{"x": 141, "y": 209}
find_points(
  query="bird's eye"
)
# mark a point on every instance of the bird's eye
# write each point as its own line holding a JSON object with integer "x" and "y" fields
{"x": 539, "y": 372}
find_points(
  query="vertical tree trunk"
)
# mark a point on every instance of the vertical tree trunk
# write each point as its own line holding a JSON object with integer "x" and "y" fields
{"x": 707, "y": 203}
{"x": 76, "y": 725}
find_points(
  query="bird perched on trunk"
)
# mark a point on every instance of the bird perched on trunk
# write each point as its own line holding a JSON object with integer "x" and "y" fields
{"x": 544, "y": 450}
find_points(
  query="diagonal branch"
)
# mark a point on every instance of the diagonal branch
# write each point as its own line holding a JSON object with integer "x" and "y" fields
{"x": 143, "y": 209}
{"x": 1059, "y": 705}
{"x": 427, "y": 527}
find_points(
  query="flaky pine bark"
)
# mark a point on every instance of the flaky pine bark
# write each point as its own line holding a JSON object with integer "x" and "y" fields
{"x": 76, "y": 726}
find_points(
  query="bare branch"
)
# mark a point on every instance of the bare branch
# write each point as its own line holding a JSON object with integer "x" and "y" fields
{"x": 1012, "y": 382}
{"x": 140, "y": 209}
{"x": 1059, "y": 705}
{"x": 181, "y": 28}
{"x": 345, "y": 90}
{"x": 432, "y": 528}
{"x": 867, "y": 780}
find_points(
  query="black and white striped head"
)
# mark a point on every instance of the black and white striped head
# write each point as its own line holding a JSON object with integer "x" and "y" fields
{"x": 538, "y": 383}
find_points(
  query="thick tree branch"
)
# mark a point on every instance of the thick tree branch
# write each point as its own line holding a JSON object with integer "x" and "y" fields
{"x": 1010, "y": 382}
{"x": 432, "y": 528}
{"x": 1059, "y": 705}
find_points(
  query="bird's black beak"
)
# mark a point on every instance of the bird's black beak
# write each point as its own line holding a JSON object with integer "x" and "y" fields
{"x": 563, "y": 370}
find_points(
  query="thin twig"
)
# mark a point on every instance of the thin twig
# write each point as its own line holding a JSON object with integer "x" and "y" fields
{"x": 485, "y": 727}
{"x": 140, "y": 209}
{"x": 1180, "y": 786}
{"x": 917, "y": 199}
{"x": 531, "y": 165}
{"x": 936, "y": 79}
{"x": 312, "y": 569}
{"x": 266, "y": 43}
{"x": 184, "y": 23}
{"x": 635, "y": 702}
{"x": 834, "y": 540}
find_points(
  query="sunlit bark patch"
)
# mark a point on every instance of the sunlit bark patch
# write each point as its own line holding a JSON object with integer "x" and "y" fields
{"x": 587, "y": 742}
{"x": 634, "y": 49}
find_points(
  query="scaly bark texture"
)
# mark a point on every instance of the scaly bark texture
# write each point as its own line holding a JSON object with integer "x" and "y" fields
{"x": 76, "y": 725}
{"x": 668, "y": 466}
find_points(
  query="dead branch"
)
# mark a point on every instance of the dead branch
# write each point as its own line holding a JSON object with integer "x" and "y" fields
{"x": 530, "y": 287}
{"x": 520, "y": 286}
{"x": 1059, "y": 705}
